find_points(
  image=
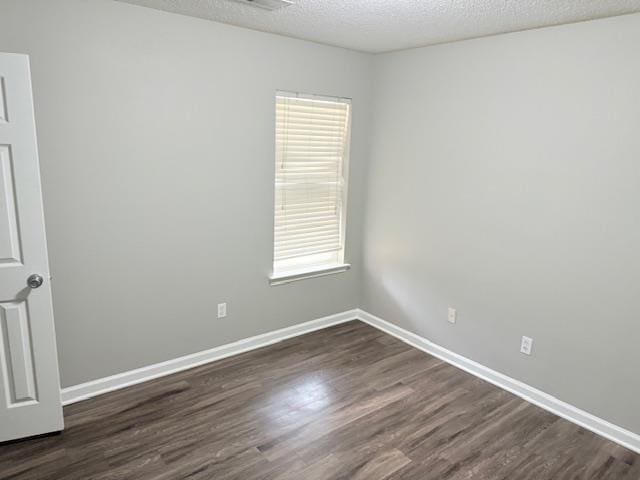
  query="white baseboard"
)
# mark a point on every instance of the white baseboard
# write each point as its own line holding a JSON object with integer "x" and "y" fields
{"x": 93, "y": 388}
{"x": 595, "y": 424}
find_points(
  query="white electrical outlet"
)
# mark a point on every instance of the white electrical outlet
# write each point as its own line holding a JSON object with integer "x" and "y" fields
{"x": 451, "y": 317}
{"x": 526, "y": 345}
{"x": 222, "y": 310}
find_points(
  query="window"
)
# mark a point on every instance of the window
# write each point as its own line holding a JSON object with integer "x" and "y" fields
{"x": 312, "y": 151}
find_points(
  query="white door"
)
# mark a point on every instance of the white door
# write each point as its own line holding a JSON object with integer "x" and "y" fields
{"x": 29, "y": 383}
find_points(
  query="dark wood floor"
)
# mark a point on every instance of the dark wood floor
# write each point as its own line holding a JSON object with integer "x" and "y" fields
{"x": 348, "y": 402}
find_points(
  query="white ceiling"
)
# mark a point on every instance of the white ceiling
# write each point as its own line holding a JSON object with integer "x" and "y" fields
{"x": 385, "y": 25}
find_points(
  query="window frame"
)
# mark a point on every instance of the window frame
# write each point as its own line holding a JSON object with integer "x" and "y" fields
{"x": 306, "y": 270}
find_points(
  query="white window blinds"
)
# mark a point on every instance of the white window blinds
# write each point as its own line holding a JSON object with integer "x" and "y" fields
{"x": 312, "y": 147}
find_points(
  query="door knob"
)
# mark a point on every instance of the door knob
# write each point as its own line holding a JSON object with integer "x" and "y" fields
{"x": 34, "y": 281}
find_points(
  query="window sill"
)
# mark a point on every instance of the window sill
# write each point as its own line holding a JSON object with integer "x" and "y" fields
{"x": 281, "y": 279}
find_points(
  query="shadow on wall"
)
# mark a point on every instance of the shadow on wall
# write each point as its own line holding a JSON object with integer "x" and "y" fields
{"x": 401, "y": 293}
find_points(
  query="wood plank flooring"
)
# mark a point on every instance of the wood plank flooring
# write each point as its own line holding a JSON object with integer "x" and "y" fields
{"x": 347, "y": 402}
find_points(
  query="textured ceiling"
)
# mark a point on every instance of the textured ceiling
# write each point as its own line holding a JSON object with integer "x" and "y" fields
{"x": 385, "y": 25}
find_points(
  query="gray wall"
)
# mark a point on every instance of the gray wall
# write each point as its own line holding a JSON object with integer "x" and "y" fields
{"x": 156, "y": 137}
{"x": 505, "y": 182}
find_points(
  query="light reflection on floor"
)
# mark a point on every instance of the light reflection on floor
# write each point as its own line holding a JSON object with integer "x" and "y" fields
{"x": 299, "y": 399}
